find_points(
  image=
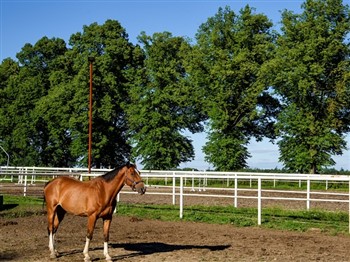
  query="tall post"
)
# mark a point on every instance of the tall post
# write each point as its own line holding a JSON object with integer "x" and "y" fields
{"x": 8, "y": 156}
{"x": 91, "y": 60}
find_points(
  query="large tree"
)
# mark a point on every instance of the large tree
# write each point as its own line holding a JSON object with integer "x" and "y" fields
{"x": 163, "y": 104}
{"x": 9, "y": 70}
{"x": 311, "y": 73}
{"x": 226, "y": 63}
{"x": 24, "y": 134}
{"x": 115, "y": 60}
{"x": 45, "y": 98}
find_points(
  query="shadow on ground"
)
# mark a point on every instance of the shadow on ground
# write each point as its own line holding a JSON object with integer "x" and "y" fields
{"x": 142, "y": 249}
{"x": 8, "y": 206}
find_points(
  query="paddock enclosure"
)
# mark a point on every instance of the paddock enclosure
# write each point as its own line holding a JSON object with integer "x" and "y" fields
{"x": 132, "y": 239}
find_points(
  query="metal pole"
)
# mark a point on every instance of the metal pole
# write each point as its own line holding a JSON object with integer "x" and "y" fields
{"x": 8, "y": 156}
{"x": 91, "y": 60}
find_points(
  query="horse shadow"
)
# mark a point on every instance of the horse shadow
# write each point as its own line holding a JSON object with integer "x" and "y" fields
{"x": 147, "y": 248}
{"x": 7, "y": 206}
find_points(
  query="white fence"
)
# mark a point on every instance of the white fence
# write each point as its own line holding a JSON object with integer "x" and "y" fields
{"x": 198, "y": 181}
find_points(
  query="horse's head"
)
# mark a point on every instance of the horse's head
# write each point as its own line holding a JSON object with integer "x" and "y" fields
{"x": 133, "y": 179}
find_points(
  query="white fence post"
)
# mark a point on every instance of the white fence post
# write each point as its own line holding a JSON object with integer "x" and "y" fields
{"x": 259, "y": 201}
{"x": 25, "y": 185}
{"x": 181, "y": 196}
{"x": 192, "y": 183}
{"x": 174, "y": 189}
{"x": 205, "y": 181}
{"x": 308, "y": 194}
{"x": 199, "y": 185}
{"x": 116, "y": 206}
{"x": 236, "y": 191}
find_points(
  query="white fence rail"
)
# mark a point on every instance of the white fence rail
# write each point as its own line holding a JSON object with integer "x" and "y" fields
{"x": 198, "y": 181}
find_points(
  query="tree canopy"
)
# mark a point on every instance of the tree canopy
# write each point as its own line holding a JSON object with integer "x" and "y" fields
{"x": 311, "y": 75}
{"x": 239, "y": 80}
{"x": 163, "y": 104}
{"x": 227, "y": 60}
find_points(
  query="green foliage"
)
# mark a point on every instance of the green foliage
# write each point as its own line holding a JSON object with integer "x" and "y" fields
{"x": 239, "y": 79}
{"x": 310, "y": 73}
{"x": 226, "y": 63}
{"x": 115, "y": 61}
{"x": 24, "y": 134}
{"x": 45, "y": 101}
{"x": 162, "y": 105}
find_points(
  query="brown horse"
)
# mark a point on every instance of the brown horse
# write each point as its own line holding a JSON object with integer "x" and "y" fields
{"x": 95, "y": 199}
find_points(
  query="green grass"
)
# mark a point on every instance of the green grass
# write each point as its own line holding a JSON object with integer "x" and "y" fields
{"x": 19, "y": 206}
{"x": 275, "y": 218}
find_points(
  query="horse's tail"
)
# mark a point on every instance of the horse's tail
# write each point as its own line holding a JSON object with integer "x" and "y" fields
{"x": 44, "y": 199}
{"x": 48, "y": 182}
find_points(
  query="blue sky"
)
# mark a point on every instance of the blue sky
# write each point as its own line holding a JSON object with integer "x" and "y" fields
{"x": 26, "y": 21}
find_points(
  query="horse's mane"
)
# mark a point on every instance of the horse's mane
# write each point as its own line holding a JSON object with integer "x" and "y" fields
{"x": 111, "y": 174}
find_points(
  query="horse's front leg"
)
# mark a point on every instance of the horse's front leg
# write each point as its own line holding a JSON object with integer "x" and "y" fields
{"x": 106, "y": 226}
{"x": 90, "y": 232}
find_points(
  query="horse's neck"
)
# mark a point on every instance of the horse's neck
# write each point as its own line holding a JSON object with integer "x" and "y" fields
{"x": 115, "y": 185}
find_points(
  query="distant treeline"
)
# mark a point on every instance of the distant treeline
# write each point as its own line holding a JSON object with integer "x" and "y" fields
{"x": 326, "y": 171}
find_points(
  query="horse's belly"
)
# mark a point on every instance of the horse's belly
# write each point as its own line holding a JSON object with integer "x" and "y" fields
{"x": 78, "y": 211}
{"x": 82, "y": 206}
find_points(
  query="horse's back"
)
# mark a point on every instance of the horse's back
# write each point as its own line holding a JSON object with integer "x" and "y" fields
{"x": 62, "y": 180}
{"x": 72, "y": 195}
{"x": 55, "y": 185}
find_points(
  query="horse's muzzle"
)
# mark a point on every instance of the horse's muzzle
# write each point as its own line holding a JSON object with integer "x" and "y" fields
{"x": 140, "y": 188}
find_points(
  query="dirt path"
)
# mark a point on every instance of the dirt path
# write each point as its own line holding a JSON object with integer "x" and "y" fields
{"x": 25, "y": 239}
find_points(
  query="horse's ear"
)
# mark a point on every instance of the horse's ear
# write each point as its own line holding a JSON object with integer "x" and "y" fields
{"x": 128, "y": 163}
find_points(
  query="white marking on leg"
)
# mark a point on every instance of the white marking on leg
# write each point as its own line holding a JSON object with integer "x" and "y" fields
{"x": 105, "y": 251}
{"x": 52, "y": 245}
{"x": 86, "y": 250}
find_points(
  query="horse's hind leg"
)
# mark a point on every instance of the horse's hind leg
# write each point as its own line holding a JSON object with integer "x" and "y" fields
{"x": 51, "y": 217}
{"x": 55, "y": 216}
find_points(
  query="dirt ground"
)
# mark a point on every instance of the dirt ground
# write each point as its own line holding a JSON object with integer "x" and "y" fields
{"x": 25, "y": 239}
{"x": 131, "y": 239}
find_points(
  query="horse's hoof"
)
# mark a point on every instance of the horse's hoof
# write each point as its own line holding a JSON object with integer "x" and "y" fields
{"x": 87, "y": 259}
{"x": 53, "y": 256}
{"x": 108, "y": 257}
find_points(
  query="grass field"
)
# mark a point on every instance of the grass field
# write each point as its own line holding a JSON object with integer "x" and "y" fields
{"x": 276, "y": 218}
